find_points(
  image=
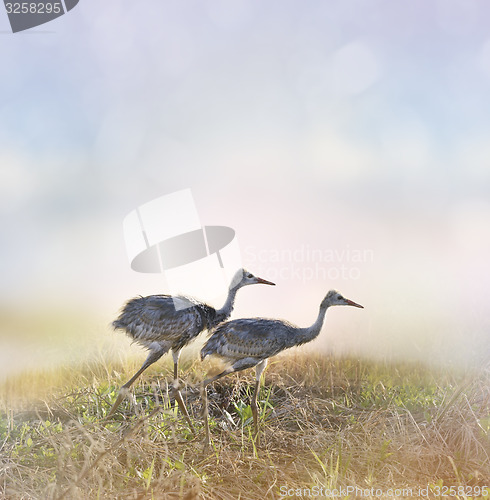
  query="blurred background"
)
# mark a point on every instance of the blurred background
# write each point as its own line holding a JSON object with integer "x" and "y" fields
{"x": 347, "y": 143}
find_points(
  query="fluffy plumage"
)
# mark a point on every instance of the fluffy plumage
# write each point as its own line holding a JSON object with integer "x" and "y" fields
{"x": 156, "y": 323}
{"x": 245, "y": 343}
{"x": 248, "y": 338}
{"x": 155, "y": 319}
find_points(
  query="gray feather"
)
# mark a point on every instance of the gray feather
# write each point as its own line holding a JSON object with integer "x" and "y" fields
{"x": 154, "y": 318}
{"x": 260, "y": 338}
{"x": 252, "y": 337}
{"x": 155, "y": 323}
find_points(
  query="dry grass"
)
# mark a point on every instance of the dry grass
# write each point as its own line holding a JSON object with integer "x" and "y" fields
{"x": 326, "y": 422}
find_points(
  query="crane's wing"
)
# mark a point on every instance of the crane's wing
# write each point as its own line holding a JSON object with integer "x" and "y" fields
{"x": 156, "y": 318}
{"x": 242, "y": 338}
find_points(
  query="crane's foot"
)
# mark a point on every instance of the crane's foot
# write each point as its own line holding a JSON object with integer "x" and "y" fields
{"x": 255, "y": 414}
{"x": 206, "y": 444}
{"x": 207, "y": 436}
{"x": 256, "y": 436}
{"x": 204, "y": 398}
{"x": 122, "y": 394}
{"x": 178, "y": 397}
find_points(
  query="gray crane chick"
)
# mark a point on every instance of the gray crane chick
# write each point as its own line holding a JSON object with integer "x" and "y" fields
{"x": 155, "y": 323}
{"x": 245, "y": 343}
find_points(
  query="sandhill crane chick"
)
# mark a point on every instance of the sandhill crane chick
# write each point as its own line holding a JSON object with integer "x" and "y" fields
{"x": 155, "y": 323}
{"x": 245, "y": 343}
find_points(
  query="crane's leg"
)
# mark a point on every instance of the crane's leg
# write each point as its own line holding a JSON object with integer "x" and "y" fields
{"x": 156, "y": 352}
{"x": 204, "y": 397}
{"x": 176, "y": 392}
{"x": 253, "y": 405}
{"x": 239, "y": 365}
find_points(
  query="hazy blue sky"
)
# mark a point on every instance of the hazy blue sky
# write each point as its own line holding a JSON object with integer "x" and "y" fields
{"x": 359, "y": 127}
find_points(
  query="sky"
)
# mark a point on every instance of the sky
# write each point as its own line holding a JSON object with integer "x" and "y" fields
{"x": 346, "y": 143}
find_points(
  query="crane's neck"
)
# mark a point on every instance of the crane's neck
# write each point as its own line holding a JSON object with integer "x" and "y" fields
{"x": 225, "y": 312}
{"x": 303, "y": 335}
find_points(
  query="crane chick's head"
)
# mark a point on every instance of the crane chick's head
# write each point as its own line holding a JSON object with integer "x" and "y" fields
{"x": 334, "y": 298}
{"x": 244, "y": 278}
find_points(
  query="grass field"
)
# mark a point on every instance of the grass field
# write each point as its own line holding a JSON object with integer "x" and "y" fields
{"x": 398, "y": 430}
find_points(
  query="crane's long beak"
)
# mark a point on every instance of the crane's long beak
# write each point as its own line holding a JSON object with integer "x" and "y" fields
{"x": 352, "y": 303}
{"x": 264, "y": 282}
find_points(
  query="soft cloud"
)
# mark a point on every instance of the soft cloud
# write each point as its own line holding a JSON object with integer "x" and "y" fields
{"x": 17, "y": 182}
{"x": 355, "y": 68}
{"x": 483, "y": 59}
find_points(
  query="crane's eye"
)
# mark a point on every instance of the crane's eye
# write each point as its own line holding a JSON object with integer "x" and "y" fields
{"x": 250, "y": 276}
